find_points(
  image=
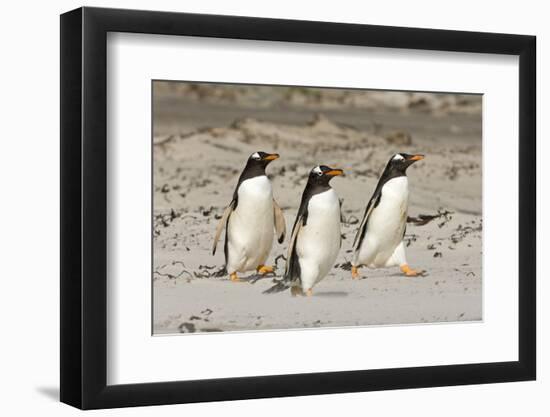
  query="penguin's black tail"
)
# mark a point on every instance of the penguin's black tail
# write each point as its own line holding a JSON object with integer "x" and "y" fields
{"x": 278, "y": 287}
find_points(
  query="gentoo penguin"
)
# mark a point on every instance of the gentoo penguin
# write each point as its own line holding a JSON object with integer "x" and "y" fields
{"x": 250, "y": 219}
{"x": 379, "y": 239}
{"x": 316, "y": 237}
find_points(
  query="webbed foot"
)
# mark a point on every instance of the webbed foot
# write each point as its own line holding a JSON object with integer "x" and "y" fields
{"x": 408, "y": 271}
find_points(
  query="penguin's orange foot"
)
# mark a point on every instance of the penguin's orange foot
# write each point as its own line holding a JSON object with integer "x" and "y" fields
{"x": 294, "y": 291}
{"x": 309, "y": 292}
{"x": 410, "y": 272}
{"x": 234, "y": 277}
{"x": 354, "y": 272}
{"x": 263, "y": 269}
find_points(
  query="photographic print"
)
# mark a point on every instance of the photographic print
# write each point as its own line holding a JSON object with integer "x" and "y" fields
{"x": 291, "y": 207}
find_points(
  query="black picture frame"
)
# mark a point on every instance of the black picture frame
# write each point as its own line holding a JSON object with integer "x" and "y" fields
{"x": 84, "y": 207}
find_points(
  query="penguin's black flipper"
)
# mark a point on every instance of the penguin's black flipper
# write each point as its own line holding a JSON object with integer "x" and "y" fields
{"x": 373, "y": 202}
{"x": 292, "y": 270}
{"x": 280, "y": 226}
{"x": 223, "y": 223}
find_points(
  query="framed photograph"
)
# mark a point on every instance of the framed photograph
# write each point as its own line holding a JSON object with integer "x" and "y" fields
{"x": 257, "y": 208}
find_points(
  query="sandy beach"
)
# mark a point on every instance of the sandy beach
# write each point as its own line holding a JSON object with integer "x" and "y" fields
{"x": 201, "y": 141}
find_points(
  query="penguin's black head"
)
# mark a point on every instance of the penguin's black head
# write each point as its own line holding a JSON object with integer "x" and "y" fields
{"x": 261, "y": 159}
{"x": 401, "y": 161}
{"x": 321, "y": 175}
{"x": 255, "y": 166}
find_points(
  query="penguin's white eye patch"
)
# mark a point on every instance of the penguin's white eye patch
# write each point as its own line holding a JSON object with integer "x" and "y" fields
{"x": 317, "y": 170}
{"x": 256, "y": 155}
{"x": 397, "y": 157}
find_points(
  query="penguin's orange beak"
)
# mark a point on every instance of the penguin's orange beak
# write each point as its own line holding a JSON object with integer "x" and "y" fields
{"x": 416, "y": 157}
{"x": 335, "y": 172}
{"x": 271, "y": 157}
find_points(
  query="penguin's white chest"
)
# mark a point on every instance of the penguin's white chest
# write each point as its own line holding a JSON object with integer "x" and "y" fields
{"x": 386, "y": 223}
{"x": 251, "y": 225}
{"x": 318, "y": 243}
{"x": 392, "y": 208}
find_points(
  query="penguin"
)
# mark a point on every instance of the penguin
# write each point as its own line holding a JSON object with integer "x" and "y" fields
{"x": 316, "y": 238}
{"x": 379, "y": 239}
{"x": 250, "y": 220}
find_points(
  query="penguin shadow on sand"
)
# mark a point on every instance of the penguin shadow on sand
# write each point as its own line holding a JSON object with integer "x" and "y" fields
{"x": 373, "y": 273}
{"x": 254, "y": 278}
{"x": 420, "y": 274}
{"x": 331, "y": 294}
{"x": 259, "y": 276}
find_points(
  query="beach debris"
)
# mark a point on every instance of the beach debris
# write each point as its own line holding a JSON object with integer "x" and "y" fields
{"x": 195, "y": 317}
{"x": 207, "y": 212}
{"x": 438, "y": 255}
{"x": 163, "y": 220}
{"x": 204, "y": 273}
{"x": 410, "y": 239}
{"x": 462, "y": 232}
{"x": 423, "y": 219}
{"x": 220, "y": 272}
{"x": 186, "y": 327}
{"x": 158, "y": 272}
